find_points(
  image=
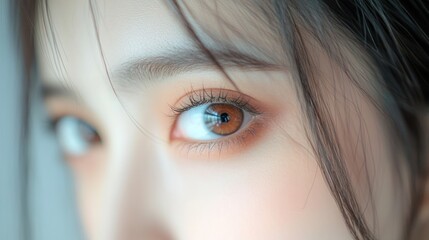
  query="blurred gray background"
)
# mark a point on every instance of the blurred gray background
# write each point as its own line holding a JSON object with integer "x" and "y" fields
{"x": 50, "y": 196}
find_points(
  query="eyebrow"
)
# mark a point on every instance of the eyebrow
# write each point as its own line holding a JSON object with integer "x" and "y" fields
{"x": 61, "y": 91}
{"x": 180, "y": 60}
{"x": 173, "y": 62}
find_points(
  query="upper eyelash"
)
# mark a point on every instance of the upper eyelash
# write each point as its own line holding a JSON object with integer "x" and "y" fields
{"x": 51, "y": 124}
{"x": 204, "y": 96}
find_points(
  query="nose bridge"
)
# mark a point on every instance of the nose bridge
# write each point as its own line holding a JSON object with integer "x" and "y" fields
{"x": 132, "y": 187}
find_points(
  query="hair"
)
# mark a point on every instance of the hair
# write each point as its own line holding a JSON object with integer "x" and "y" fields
{"x": 393, "y": 38}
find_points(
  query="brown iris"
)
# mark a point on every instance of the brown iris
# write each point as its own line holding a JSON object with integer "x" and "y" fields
{"x": 223, "y": 119}
{"x": 89, "y": 133}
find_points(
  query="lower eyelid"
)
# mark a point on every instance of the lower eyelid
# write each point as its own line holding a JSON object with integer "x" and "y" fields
{"x": 226, "y": 147}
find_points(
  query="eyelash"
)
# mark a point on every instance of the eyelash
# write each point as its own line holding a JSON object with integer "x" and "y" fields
{"x": 206, "y": 96}
{"x": 220, "y": 145}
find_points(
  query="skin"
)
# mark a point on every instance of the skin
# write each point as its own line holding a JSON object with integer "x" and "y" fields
{"x": 143, "y": 181}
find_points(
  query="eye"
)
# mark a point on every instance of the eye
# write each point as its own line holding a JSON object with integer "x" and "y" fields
{"x": 211, "y": 121}
{"x": 75, "y": 136}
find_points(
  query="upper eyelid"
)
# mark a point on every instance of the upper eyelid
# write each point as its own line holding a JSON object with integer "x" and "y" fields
{"x": 204, "y": 96}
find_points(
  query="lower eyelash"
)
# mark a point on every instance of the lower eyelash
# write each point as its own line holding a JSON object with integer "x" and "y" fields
{"x": 221, "y": 145}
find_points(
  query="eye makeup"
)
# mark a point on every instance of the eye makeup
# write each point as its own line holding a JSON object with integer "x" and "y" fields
{"x": 232, "y": 132}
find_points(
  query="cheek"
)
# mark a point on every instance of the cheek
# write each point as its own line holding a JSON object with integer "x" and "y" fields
{"x": 274, "y": 192}
{"x": 89, "y": 174}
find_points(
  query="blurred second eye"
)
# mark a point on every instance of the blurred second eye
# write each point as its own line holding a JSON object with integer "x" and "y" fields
{"x": 75, "y": 136}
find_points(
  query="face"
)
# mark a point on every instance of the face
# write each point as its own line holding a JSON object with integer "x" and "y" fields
{"x": 165, "y": 145}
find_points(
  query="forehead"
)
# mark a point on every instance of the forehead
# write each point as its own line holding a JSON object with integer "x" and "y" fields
{"x": 73, "y": 36}
{"x": 72, "y": 33}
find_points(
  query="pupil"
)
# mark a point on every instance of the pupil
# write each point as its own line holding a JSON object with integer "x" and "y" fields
{"x": 224, "y": 118}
